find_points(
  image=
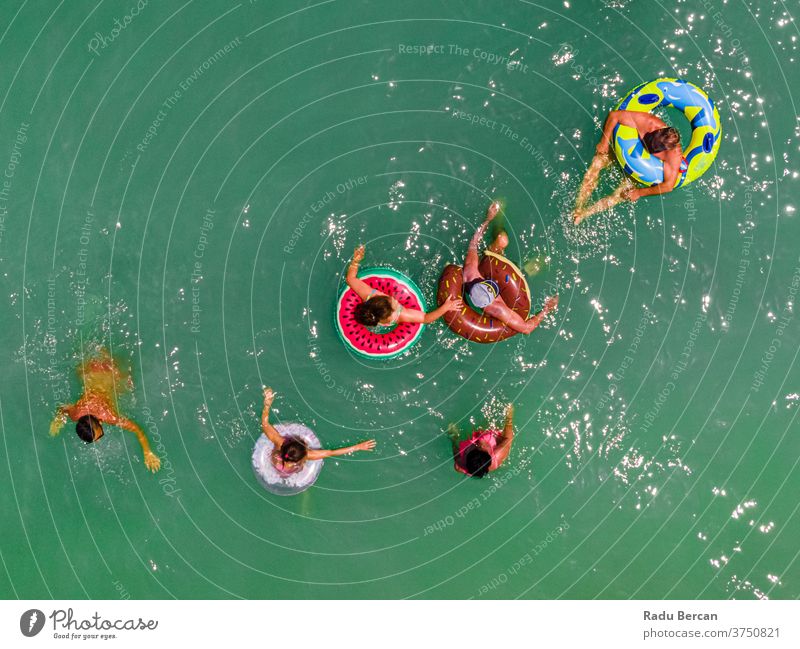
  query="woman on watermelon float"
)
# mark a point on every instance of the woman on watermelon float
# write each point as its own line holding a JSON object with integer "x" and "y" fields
{"x": 378, "y": 308}
{"x": 484, "y": 293}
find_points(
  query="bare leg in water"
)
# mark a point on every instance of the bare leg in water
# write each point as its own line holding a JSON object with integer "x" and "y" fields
{"x": 498, "y": 309}
{"x": 472, "y": 260}
{"x": 590, "y": 180}
{"x": 499, "y": 244}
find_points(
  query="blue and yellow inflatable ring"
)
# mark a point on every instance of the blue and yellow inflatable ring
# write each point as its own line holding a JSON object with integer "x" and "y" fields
{"x": 695, "y": 104}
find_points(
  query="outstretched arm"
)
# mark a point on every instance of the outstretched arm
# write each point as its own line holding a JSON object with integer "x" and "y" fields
{"x": 269, "y": 430}
{"x": 320, "y": 453}
{"x": 615, "y": 117}
{"x": 415, "y": 315}
{"x": 670, "y": 175}
{"x": 506, "y": 439}
{"x": 494, "y": 210}
{"x": 550, "y": 304}
{"x": 151, "y": 460}
{"x": 359, "y": 286}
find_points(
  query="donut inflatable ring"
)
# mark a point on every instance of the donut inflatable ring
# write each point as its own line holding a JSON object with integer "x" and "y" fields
{"x": 695, "y": 104}
{"x": 475, "y": 326}
{"x": 372, "y": 344}
{"x": 268, "y": 475}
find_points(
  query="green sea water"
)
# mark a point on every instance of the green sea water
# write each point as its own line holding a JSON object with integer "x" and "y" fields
{"x": 184, "y": 183}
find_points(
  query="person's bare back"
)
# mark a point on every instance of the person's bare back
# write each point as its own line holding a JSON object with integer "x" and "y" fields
{"x": 102, "y": 381}
{"x": 651, "y": 129}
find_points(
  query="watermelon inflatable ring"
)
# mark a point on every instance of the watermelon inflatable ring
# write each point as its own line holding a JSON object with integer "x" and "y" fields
{"x": 374, "y": 344}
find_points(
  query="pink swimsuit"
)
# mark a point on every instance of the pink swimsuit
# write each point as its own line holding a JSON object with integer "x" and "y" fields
{"x": 489, "y": 436}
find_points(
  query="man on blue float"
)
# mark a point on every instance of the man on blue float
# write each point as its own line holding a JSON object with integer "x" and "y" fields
{"x": 649, "y": 151}
{"x": 655, "y": 137}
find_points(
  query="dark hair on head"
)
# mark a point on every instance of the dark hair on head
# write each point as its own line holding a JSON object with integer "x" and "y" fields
{"x": 663, "y": 139}
{"x": 372, "y": 311}
{"x": 293, "y": 450}
{"x": 477, "y": 462}
{"x": 85, "y": 428}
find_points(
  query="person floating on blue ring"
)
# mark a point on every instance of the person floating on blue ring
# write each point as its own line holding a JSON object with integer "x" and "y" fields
{"x": 648, "y": 150}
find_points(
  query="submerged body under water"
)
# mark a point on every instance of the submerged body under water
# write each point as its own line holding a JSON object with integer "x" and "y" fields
{"x": 193, "y": 208}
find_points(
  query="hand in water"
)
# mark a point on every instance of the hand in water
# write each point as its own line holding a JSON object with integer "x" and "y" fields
{"x": 453, "y": 303}
{"x": 453, "y": 433}
{"x": 494, "y": 210}
{"x": 369, "y": 445}
{"x": 551, "y": 303}
{"x": 57, "y": 424}
{"x": 358, "y": 253}
{"x": 269, "y": 396}
{"x": 630, "y": 194}
{"x": 151, "y": 461}
{"x": 510, "y": 412}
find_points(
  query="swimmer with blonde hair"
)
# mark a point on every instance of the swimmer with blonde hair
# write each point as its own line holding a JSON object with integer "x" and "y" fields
{"x": 102, "y": 381}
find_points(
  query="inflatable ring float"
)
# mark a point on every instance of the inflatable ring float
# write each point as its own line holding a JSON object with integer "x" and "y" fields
{"x": 695, "y": 104}
{"x": 471, "y": 324}
{"x": 274, "y": 481}
{"x": 377, "y": 344}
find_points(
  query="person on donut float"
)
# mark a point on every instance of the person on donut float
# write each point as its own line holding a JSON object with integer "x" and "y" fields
{"x": 658, "y": 139}
{"x": 379, "y": 309}
{"x": 484, "y": 294}
{"x": 290, "y": 454}
{"x": 486, "y": 450}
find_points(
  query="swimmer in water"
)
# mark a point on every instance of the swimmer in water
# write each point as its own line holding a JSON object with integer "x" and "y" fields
{"x": 290, "y": 454}
{"x": 661, "y": 141}
{"x": 377, "y": 308}
{"x": 102, "y": 381}
{"x": 484, "y": 293}
{"x": 486, "y": 450}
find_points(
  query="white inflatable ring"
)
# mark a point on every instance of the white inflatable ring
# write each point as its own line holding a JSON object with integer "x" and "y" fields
{"x": 268, "y": 475}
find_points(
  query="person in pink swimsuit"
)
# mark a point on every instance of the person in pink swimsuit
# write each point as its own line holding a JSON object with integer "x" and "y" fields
{"x": 290, "y": 454}
{"x": 486, "y": 450}
{"x": 378, "y": 308}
